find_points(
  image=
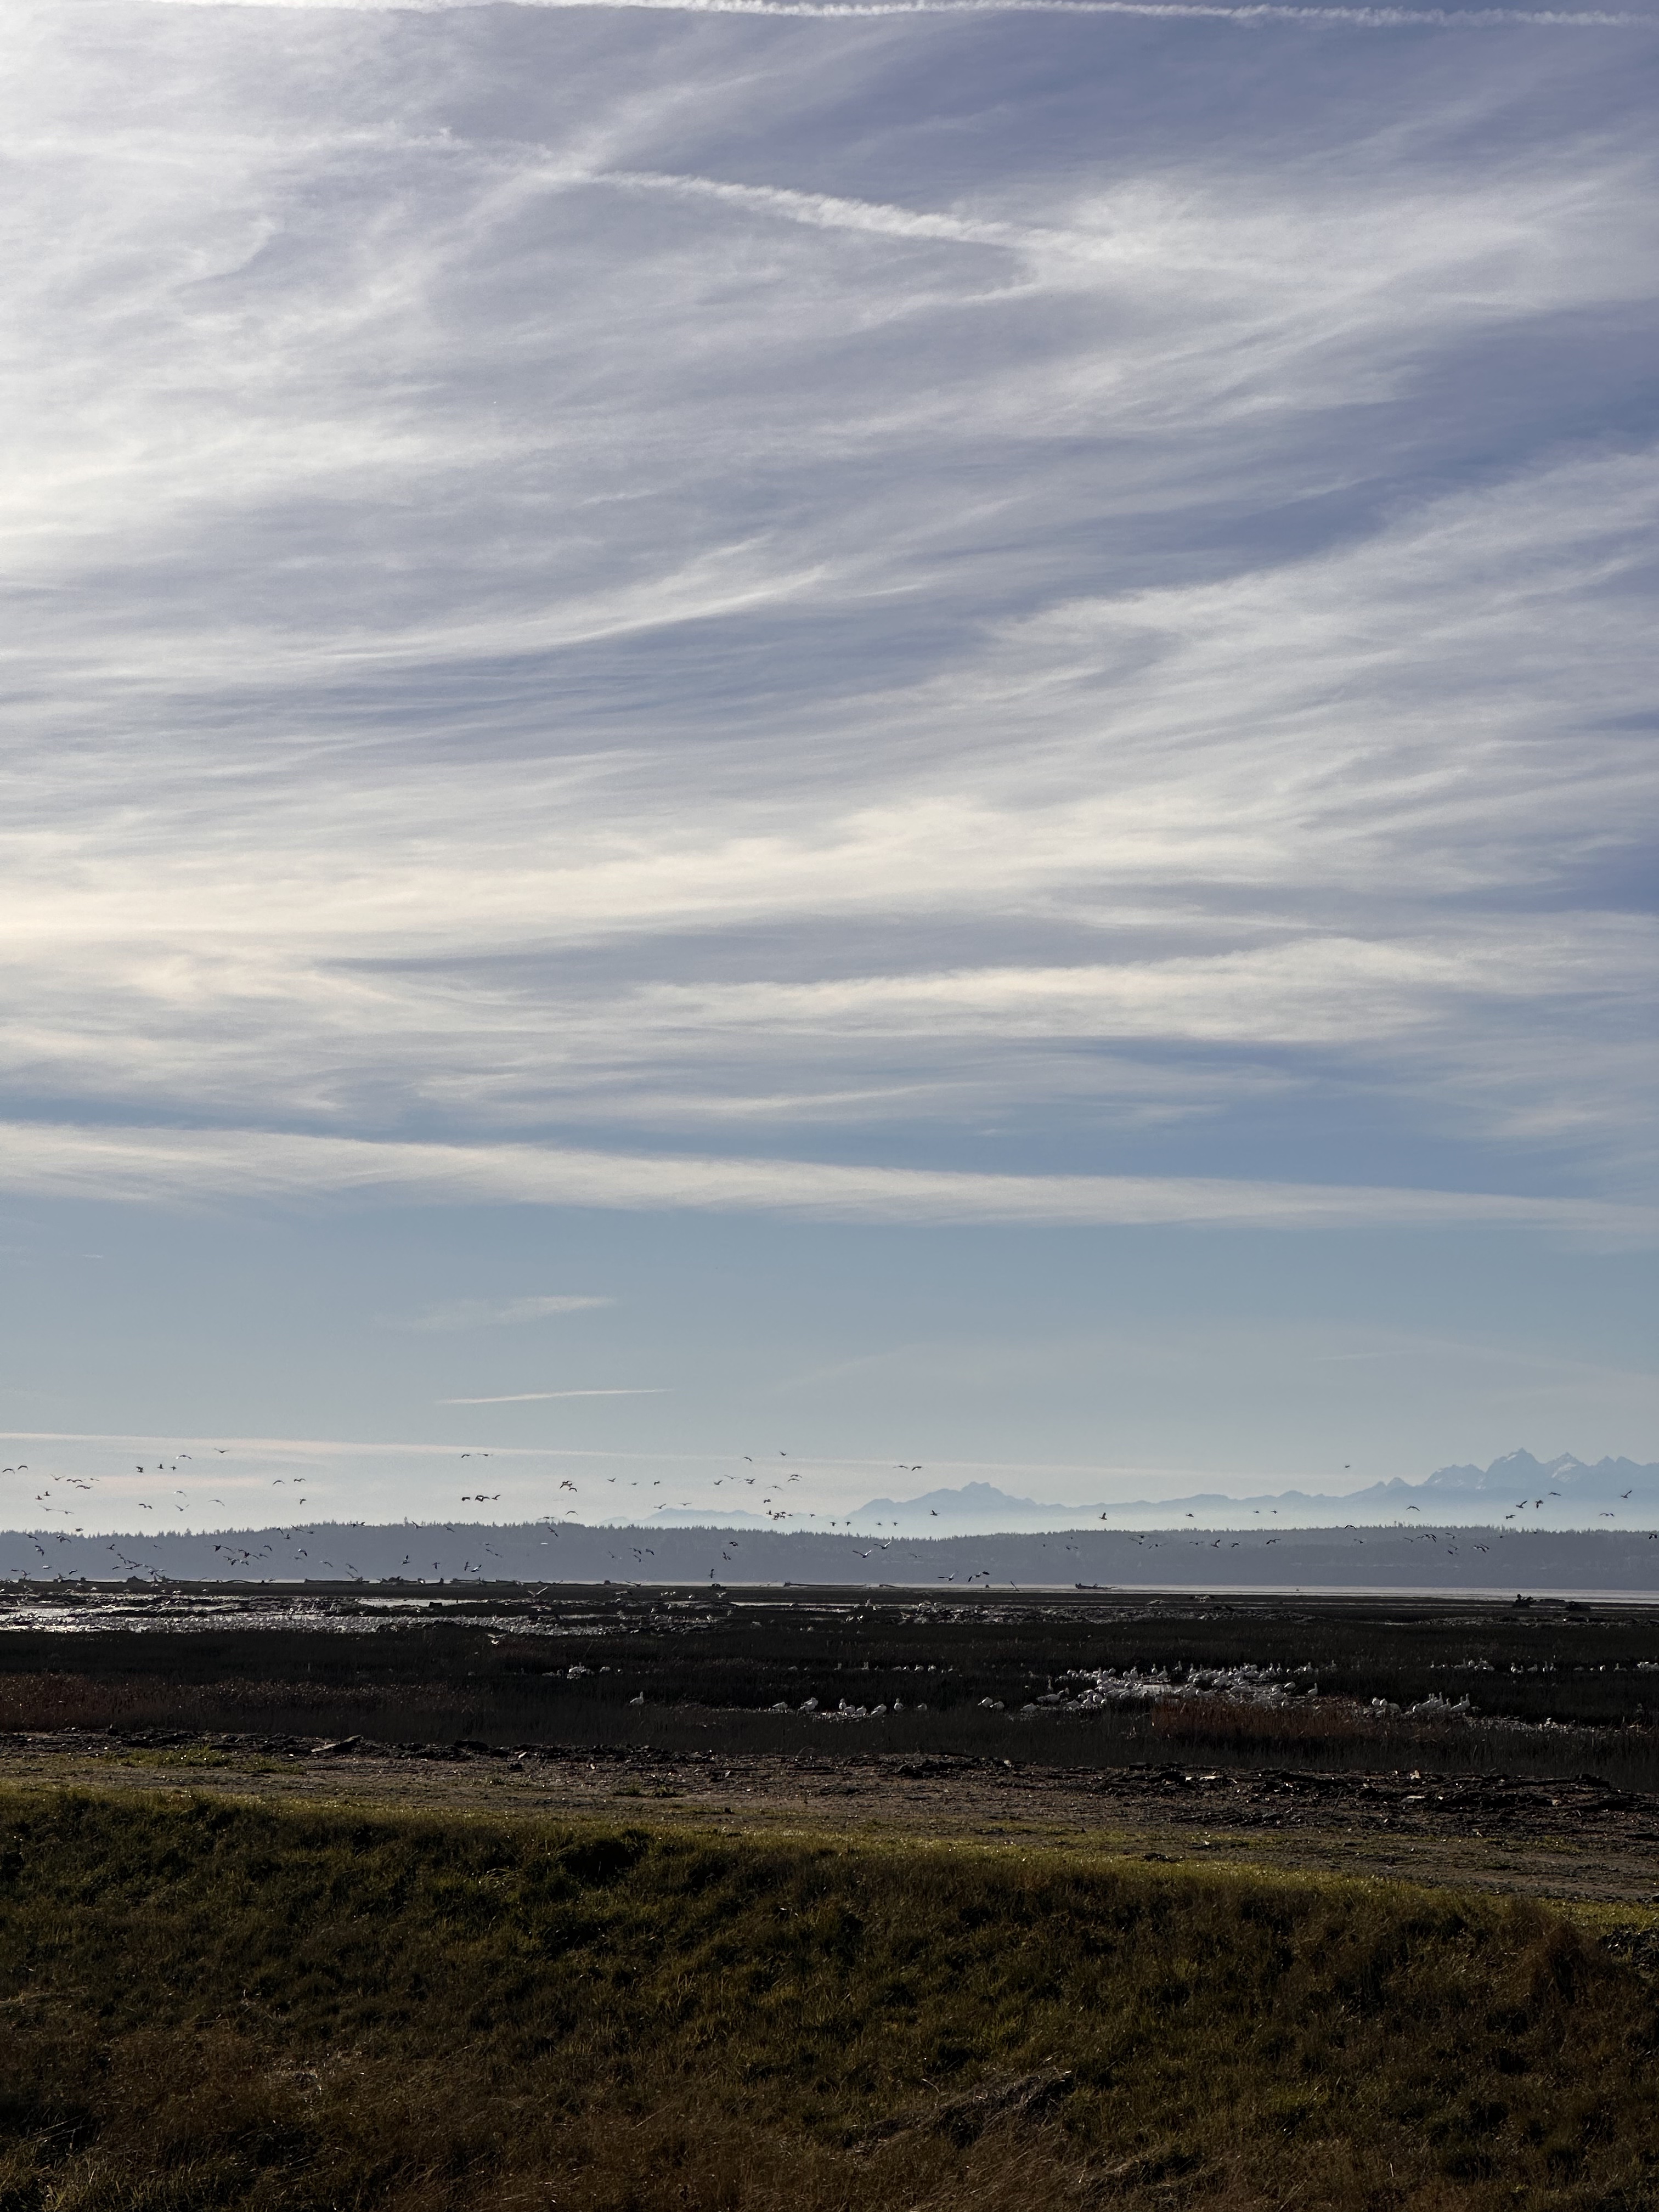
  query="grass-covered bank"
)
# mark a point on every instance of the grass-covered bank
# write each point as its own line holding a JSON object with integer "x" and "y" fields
{"x": 212, "y": 2004}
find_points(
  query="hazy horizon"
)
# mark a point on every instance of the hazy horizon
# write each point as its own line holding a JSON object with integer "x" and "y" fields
{"x": 230, "y": 1488}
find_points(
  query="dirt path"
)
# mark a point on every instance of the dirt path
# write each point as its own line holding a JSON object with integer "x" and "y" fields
{"x": 1581, "y": 1841}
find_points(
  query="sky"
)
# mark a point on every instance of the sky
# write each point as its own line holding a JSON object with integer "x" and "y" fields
{"x": 921, "y": 736}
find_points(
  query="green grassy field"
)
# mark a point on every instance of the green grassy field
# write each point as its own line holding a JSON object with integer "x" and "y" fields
{"x": 213, "y": 2004}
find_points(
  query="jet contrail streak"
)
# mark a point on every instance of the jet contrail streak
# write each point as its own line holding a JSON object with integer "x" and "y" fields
{"x": 1252, "y": 12}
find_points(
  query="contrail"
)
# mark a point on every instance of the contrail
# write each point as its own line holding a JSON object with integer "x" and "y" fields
{"x": 1250, "y": 12}
{"x": 536, "y": 1397}
{"x": 824, "y": 212}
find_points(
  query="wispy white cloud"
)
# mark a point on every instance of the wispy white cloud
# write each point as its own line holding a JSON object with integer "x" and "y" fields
{"x": 626, "y": 605}
{"x": 170, "y": 1166}
{"x": 1275, "y": 864}
{"x": 542, "y": 1397}
{"x": 496, "y": 1313}
{"x": 1247, "y": 13}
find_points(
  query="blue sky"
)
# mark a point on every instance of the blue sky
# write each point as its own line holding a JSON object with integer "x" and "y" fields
{"x": 919, "y": 735}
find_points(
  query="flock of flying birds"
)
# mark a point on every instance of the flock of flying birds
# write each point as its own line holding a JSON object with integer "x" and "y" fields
{"x": 176, "y": 1499}
{"x": 773, "y": 1486}
{"x": 780, "y": 1500}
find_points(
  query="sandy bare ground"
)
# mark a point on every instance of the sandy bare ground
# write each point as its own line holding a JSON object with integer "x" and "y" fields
{"x": 1580, "y": 1841}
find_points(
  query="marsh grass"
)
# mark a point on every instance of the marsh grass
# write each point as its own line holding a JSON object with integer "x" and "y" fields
{"x": 1339, "y": 1736}
{"x": 1335, "y": 1735}
{"x": 212, "y": 2004}
{"x": 567, "y": 1671}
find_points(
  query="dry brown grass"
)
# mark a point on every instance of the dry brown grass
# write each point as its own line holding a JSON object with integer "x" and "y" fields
{"x": 209, "y": 2005}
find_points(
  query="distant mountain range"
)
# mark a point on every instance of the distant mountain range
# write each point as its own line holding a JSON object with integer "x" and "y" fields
{"x": 1519, "y": 1470}
{"x": 1529, "y": 1523}
{"x": 1559, "y": 1492}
